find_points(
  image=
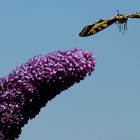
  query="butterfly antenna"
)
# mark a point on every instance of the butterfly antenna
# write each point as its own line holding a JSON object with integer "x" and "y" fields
{"x": 118, "y": 13}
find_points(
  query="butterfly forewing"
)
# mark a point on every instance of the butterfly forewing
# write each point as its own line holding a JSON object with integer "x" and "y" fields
{"x": 96, "y": 27}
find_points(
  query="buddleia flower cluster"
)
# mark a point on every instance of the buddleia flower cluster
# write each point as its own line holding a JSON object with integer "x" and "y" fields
{"x": 28, "y": 88}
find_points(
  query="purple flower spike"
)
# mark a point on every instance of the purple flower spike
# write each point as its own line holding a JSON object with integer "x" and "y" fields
{"x": 29, "y": 87}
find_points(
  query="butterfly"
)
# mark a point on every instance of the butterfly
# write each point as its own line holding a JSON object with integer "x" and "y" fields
{"x": 120, "y": 20}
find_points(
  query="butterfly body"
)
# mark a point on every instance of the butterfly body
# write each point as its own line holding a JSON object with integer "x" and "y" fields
{"x": 121, "y": 19}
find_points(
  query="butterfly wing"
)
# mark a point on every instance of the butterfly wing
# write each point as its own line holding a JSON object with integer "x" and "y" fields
{"x": 96, "y": 27}
{"x": 136, "y": 15}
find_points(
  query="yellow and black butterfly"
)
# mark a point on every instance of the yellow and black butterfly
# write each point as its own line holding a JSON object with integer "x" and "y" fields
{"x": 119, "y": 20}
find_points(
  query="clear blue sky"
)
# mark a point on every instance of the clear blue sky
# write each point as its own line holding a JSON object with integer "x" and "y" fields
{"x": 106, "y": 105}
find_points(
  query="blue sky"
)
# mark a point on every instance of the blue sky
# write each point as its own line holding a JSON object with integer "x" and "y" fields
{"x": 106, "y": 105}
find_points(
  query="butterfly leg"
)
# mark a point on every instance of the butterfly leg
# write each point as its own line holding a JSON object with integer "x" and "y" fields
{"x": 119, "y": 26}
{"x": 125, "y": 26}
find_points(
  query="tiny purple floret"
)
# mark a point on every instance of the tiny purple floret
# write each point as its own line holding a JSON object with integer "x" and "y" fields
{"x": 29, "y": 87}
